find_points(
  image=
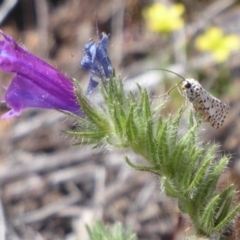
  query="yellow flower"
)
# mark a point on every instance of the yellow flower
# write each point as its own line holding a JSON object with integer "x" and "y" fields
{"x": 219, "y": 45}
{"x": 161, "y": 18}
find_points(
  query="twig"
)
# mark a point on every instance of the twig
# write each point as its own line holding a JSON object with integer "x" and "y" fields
{"x": 44, "y": 163}
{"x": 210, "y": 12}
{"x": 41, "y": 8}
{"x": 2, "y": 223}
{"x": 46, "y": 211}
{"x": 5, "y": 8}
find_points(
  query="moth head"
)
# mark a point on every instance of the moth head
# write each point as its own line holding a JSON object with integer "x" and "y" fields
{"x": 186, "y": 85}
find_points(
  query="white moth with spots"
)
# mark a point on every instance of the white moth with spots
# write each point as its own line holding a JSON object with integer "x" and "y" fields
{"x": 210, "y": 108}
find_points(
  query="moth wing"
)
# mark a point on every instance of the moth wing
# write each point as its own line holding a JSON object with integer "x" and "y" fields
{"x": 212, "y": 109}
{"x": 217, "y": 111}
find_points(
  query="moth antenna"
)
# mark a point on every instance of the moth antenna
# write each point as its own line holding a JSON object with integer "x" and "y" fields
{"x": 176, "y": 85}
{"x": 169, "y": 71}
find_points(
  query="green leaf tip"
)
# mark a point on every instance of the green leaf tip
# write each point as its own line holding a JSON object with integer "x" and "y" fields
{"x": 98, "y": 231}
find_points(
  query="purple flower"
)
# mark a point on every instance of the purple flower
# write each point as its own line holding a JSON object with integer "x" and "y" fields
{"x": 36, "y": 83}
{"x": 97, "y": 62}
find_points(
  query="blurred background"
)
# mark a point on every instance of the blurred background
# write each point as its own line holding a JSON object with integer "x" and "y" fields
{"x": 50, "y": 189}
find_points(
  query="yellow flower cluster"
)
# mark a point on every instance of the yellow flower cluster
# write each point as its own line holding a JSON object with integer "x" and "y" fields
{"x": 220, "y": 45}
{"x": 161, "y": 18}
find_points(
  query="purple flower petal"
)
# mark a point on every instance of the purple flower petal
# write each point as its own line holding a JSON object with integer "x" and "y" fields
{"x": 92, "y": 84}
{"x": 96, "y": 61}
{"x": 36, "y": 84}
{"x": 102, "y": 56}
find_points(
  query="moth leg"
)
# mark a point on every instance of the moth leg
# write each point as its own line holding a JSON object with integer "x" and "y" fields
{"x": 180, "y": 91}
{"x": 169, "y": 90}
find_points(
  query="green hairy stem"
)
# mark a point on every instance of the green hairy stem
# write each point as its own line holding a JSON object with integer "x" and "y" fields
{"x": 188, "y": 171}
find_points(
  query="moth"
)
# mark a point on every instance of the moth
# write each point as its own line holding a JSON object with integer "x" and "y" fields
{"x": 210, "y": 108}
